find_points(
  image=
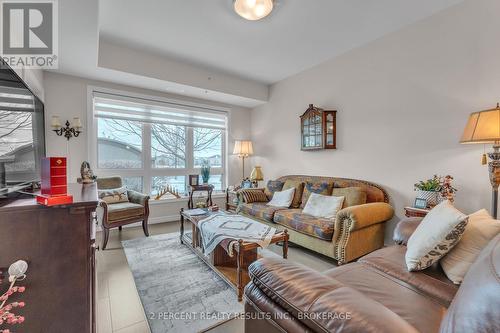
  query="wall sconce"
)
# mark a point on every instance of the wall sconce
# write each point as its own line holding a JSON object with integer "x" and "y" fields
{"x": 70, "y": 130}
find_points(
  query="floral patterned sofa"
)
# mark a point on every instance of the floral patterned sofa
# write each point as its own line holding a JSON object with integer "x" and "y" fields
{"x": 357, "y": 229}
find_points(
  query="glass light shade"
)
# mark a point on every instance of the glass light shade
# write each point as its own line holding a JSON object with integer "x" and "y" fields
{"x": 56, "y": 123}
{"x": 253, "y": 10}
{"x": 243, "y": 148}
{"x": 257, "y": 174}
{"x": 77, "y": 123}
{"x": 483, "y": 127}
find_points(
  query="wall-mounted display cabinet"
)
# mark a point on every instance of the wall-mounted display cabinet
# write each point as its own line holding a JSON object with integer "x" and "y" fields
{"x": 318, "y": 129}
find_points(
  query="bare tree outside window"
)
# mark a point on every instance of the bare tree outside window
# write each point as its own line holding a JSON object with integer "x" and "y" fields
{"x": 168, "y": 146}
{"x": 207, "y": 146}
{"x": 119, "y": 144}
{"x": 15, "y": 130}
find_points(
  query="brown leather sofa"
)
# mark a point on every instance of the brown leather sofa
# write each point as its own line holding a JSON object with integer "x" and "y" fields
{"x": 375, "y": 294}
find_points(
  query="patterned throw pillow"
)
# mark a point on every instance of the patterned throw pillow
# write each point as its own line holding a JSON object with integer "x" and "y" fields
{"x": 323, "y": 188}
{"x": 250, "y": 196}
{"x": 299, "y": 188}
{"x": 273, "y": 186}
{"x": 436, "y": 235}
{"x": 113, "y": 195}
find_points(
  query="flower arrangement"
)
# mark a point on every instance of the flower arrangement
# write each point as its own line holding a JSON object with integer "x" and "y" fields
{"x": 447, "y": 191}
{"x": 16, "y": 273}
{"x": 437, "y": 188}
{"x": 205, "y": 171}
{"x": 431, "y": 185}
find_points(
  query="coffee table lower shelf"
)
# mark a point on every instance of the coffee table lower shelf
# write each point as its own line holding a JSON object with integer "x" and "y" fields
{"x": 233, "y": 270}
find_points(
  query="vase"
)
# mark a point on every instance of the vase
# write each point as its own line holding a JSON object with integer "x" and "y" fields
{"x": 430, "y": 196}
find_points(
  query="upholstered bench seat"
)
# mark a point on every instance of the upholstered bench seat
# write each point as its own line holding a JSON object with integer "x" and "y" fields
{"x": 307, "y": 224}
{"x": 119, "y": 211}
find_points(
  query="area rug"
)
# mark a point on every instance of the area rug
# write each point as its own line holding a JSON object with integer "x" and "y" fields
{"x": 178, "y": 291}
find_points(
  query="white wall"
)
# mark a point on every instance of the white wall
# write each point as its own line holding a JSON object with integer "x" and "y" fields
{"x": 34, "y": 79}
{"x": 402, "y": 103}
{"x": 66, "y": 96}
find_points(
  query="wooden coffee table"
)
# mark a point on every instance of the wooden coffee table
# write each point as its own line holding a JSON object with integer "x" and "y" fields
{"x": 233, "y": 270}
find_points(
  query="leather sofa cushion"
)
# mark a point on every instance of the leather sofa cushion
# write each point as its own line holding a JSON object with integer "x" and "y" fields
{"x": 420, "y": 311}
{"x": 353, "y": 196}
{"x": 307, "y": 224}
{"x": 315, "y": 298}
{"x": 404, "y": 229}
{"x": 124, "y": 210}
{"x": 259, "y": 210}
{"x": 477, "y": 304}
{"x": 431, "y": 281}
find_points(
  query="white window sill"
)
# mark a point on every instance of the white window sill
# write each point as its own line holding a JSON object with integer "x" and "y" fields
{"x": 153, "y": 202}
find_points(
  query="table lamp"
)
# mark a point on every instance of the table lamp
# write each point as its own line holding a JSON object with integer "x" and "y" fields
{"x": 484, "y": 127}
{"x": 256, "y": 175}
{"x": 243, "y": 149}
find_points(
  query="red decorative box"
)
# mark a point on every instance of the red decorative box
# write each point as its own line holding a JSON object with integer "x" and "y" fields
{"x": 54, "y": 179}
{"x": 54, "y": 200}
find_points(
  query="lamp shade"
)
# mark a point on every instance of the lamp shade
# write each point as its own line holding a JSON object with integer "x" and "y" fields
{"x": 483, "y": 127}
{"x": 243, "y": 148}
{"x": 257, "y": 174}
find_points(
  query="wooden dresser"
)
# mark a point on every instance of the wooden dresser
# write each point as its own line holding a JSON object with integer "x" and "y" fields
{"x": 59, "y": 245}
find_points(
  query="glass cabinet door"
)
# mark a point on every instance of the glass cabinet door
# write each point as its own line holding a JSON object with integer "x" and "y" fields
{"x": 330, "y": 130}
{"x": 318, "y": 129}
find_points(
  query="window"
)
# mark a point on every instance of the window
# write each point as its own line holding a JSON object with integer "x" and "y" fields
{"x": 153, "y": 143}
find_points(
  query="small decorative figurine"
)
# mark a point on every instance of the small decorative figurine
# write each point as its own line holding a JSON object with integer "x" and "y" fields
{"x": 167, "y": 189}
{"x": 87, "y": 174}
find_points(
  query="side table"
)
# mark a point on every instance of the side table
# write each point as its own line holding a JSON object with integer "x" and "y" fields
{"x": 200, "y": 188}
{"x": 415, "y": 212}
{"x": 231, "y": 200}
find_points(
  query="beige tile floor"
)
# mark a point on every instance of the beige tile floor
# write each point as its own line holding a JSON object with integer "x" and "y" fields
{"x": 119, "y": 309}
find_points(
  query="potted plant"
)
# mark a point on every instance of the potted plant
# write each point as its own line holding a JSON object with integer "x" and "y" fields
{"x": 429, "y": 189}
{"x": 205, "y": 171}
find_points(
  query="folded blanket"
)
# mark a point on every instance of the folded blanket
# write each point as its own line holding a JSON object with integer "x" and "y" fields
{"x": 222, "y": 227}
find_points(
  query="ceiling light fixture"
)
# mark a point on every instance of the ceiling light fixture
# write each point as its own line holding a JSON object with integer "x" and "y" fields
{"x": 253, "y": 10}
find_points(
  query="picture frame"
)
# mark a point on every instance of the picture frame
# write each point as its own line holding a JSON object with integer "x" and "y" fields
{"x": 246, "y": 183}
{"x": 420, "y": 203}
{"x": 193, "y": 180}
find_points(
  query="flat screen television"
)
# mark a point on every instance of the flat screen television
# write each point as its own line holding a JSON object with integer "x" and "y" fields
{"x": 22, "y": 138}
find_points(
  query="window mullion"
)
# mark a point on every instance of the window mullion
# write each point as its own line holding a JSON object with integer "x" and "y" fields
{"x": 146, "y": 156}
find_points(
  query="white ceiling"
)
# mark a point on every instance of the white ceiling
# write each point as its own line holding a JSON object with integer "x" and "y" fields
{"x": 297, "y": 35}
{"x": 201, "y": 48}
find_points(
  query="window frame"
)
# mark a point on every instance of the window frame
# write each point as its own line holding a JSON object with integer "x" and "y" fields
{"x": 148, "y": 171}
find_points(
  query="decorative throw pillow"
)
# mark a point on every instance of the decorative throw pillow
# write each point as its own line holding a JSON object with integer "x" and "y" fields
{"x": 480, "y": 230}
{"x": 114, "y": 195}
{"x": 353, "y": 195}
{"x": 323, "y": 206}
{"x": 273, "y": 186}
{"x": 323, "y": 188}
{"x": 439, "y": 231}
{"x": 282, "y": 198}
{"x": 250, "y": 196}
{"x": 299, "y": 188}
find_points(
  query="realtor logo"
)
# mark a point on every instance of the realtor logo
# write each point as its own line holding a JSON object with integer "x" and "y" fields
{"x": 29, "y": 33}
